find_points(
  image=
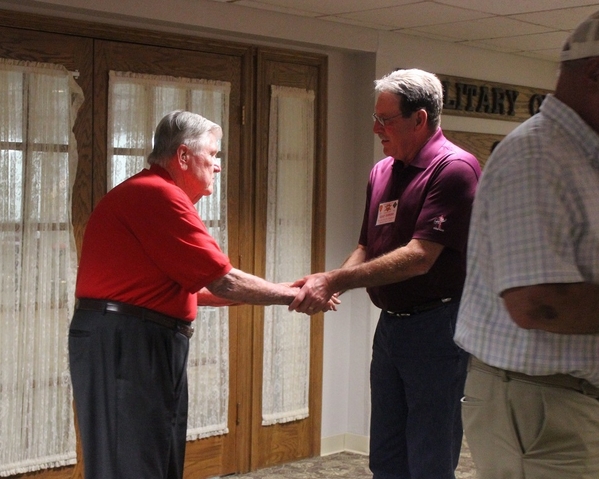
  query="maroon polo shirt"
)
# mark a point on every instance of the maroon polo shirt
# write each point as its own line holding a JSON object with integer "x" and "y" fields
{"x": 430, "y": 199}
{"x": 146, "y": 245}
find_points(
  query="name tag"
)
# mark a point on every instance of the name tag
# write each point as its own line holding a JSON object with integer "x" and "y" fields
{"x": 387, "y": 212}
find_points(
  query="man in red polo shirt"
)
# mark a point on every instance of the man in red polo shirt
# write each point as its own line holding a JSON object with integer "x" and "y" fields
{"x": 411, "y": 258}
{"x": 147, "y": 261}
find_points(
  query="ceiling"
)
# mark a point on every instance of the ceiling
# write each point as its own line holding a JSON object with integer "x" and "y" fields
{"x": 533, "y": 28}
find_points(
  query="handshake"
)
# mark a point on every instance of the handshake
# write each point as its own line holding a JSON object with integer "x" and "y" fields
{"x": 315, "y": 293}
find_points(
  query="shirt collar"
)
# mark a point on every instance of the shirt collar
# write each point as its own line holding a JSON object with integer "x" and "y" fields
{"x": 429, "y": 151}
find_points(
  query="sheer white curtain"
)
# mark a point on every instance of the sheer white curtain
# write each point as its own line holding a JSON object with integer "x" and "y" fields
{"x": 136, "y": 104}
{"x": 38, "y": 162}
{"x": 288, "y": 252}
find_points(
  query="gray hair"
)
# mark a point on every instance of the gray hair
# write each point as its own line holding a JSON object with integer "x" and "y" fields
{"x": 180, "y": 128}
{"x": 418, "y": 90}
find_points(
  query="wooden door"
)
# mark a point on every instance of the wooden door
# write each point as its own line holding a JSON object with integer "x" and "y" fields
{"x": 298, "y": 439}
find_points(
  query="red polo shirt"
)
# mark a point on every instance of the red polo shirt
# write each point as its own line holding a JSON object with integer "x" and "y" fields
{"x": 146, "y": 245}
{"x": 430, "y": 199}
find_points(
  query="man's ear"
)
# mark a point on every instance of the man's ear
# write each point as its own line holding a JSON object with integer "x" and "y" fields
{"x": 182, "y": 156}
{"x": 421, "y": 119}
{"x": 592, "y": 69}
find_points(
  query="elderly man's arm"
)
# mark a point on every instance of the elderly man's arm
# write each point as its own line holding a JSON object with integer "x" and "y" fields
{"x": 239, "y": 287}
{"x": 564, "y": 308}
{"x": 206, "y": 298}
{"x": 414, "y": 259}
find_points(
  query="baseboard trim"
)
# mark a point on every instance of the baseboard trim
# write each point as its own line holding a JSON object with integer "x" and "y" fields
{"x": 344, "y": 442}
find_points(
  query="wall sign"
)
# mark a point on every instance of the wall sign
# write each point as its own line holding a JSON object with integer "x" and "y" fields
{"x": 476, "y": 98}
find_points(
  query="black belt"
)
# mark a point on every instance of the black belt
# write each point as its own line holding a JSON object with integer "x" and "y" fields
{"x": 565, "y": 381}
{"x": 421, "y": 308}
{"x": 101, "y": 306}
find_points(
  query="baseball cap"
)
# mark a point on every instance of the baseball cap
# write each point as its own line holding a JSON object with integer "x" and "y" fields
{"x": 584, "y": 41}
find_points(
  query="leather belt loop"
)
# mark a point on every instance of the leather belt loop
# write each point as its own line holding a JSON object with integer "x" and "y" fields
{"x": 564, "y": 381}
{"x": 102, "y": 306}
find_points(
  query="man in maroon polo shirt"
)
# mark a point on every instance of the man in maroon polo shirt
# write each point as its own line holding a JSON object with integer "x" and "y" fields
{"x": 411, "y": 259}
{"x": 147, "y": 261}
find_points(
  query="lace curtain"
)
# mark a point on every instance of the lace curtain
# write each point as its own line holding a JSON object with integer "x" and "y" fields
{"x": 288, "y": 252}
{"x": 38, "y": 162}
{"x": 136, "y": 104}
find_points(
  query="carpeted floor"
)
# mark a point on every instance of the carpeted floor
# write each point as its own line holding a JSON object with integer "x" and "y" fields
{"x": 343, "y": 465}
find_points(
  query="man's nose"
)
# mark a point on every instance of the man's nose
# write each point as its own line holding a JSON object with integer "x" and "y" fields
{"x": 377, "y": 127}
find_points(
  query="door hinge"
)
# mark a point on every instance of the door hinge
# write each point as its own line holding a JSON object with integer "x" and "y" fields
{"x": 237, "y": 421}
{"x": 243, "y": 115}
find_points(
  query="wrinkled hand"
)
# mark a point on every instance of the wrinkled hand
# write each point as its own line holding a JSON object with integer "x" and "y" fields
{"x": 316, "y": 295}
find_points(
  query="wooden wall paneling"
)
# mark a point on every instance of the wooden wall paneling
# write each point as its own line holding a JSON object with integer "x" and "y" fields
{"x": 479, "y": 144}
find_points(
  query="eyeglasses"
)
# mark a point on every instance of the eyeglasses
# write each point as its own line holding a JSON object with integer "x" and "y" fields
{"x": 382, "y": 121}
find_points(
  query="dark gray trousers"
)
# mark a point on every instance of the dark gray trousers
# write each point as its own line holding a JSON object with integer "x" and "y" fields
{"x": 130, "y": 389}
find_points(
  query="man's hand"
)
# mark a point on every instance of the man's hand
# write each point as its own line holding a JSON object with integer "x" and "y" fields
{"x": 316, "y": 294}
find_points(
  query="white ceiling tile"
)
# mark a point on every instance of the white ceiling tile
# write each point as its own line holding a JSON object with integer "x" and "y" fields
{"x": 562, "y": 19}
{"x": 511, "y": 7}
{"x": 533, "y": 28}
{"x": 415, "y": 14}
{"x": 434, "y": 35}
{"x": 543, "y": 41}
{"x": 327, "y": 7}
{"x": 273, "y": 7}
{"x": 358, "y": 22}
{"x": 485, "y": 28}
{"x": 550, "y": 54}
{"x": 488, "y": 46}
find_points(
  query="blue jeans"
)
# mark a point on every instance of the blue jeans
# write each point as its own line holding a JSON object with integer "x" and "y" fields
{"x": 417, "y": 380}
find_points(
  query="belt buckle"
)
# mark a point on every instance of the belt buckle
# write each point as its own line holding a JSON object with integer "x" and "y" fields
{"x": 185, "y": 330}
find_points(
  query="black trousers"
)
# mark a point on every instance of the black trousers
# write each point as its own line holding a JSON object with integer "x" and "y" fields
{"x": 130, "y": 389}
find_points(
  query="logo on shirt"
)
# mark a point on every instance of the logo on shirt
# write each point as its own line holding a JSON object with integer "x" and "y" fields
{"x": 438, "y": 222}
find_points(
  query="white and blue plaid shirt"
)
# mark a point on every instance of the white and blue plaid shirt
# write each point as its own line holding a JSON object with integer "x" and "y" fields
{"x": 535, "y": 221}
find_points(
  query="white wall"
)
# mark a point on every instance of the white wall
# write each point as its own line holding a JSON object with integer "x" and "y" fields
{"x": 357, "y": 56}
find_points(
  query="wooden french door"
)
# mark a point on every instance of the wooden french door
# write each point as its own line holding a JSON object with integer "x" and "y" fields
{"x": 297, "y": 439}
